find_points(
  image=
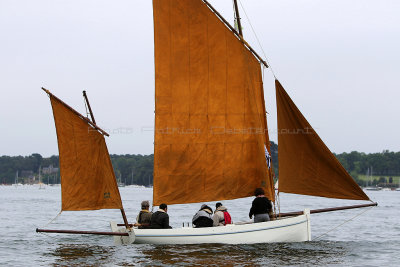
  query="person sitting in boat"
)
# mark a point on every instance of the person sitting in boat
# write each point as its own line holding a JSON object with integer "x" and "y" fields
{"x": 202, "y": 218}
{"x": 160, "y": 218}
{"x": 261, "y": 207}
{"x": 143, "y": 220}
{"x": 221, "y": 216}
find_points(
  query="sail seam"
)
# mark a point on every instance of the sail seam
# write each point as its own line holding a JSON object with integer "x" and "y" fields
{"x": 226, "y": 96}
{"x": 208, "y": 92}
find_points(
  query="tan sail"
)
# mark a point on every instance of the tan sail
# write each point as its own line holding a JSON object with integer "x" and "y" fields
{"x": 306, "y": 165}
{"x": 87, "y": 177}
{"x": 210, "y": 127}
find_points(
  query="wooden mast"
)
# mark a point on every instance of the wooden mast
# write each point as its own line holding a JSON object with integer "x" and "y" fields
{"x": 88, "y": 105}
{"x": 237, "y": 17}
{"x": 93, "y": 120}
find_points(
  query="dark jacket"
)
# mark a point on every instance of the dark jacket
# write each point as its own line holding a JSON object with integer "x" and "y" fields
{"x": 160, "y": 220}
{"x": 144, "y": 218}
{"x": 203, "y": 218}
{"x": 260, "y": 205}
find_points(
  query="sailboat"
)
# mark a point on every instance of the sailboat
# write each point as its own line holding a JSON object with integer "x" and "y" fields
{"x": 41, "y": 184}
{"x": 120, "y": 183}
{"x": 16, "y": 180}
{"x": 211, "y": 138}
{"x": 371, "y": 188}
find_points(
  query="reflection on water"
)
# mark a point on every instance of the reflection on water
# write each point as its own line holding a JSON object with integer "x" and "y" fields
{"x": 194, "y": 255}
{"x": 79, "y": 254}
{"x": 310, "y": 253}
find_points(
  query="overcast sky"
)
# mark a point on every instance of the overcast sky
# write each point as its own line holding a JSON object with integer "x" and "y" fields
{"x": 339, "y": 60}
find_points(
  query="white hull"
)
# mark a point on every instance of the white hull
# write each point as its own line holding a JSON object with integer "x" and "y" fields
{"x": 293, "y": 229}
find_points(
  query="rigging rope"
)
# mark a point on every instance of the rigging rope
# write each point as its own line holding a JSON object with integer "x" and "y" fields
{"x": 52, "y": 219}
{"x": 343, "y": 223}
{"x": 258, "y": 41}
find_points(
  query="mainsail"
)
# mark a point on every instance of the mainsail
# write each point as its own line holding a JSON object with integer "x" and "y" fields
{"x": 87, "y": 177}
{"x": 210, "y": 124}
{"x": 306, "y": 165}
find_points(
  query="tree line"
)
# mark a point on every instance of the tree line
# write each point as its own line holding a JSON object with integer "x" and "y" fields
{"x": 138, "y": 169}
{"x": 385, "y": 163}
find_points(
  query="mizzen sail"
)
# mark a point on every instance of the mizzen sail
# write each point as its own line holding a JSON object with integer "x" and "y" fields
{"x": 87, "y": 177}
{"x": 306, "y": 165}
{"x": 210, "y": 125}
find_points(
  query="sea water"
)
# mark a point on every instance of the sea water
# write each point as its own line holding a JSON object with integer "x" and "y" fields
{"x": 359, "y": 237}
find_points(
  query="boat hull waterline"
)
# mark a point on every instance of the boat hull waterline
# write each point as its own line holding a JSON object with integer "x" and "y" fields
{"x": 292, "y": 229}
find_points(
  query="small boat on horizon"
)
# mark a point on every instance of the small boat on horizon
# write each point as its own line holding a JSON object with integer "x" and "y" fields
{"x": 374, "y": 188}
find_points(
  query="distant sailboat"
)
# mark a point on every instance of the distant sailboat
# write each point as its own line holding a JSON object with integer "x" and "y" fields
{"x": 17, "y": 182}
{"x": 16, "y": 179}
{"x": 41, "y": 184}
{"x": 120, "y": 183}
{"x": 211, "y": 137}
{"x": 371, "y": 188}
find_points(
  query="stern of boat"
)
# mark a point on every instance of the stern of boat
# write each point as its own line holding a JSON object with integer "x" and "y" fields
{"x": 122, "y": 240}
